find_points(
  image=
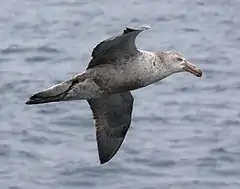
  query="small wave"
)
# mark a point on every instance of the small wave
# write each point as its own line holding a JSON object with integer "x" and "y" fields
{"x": 190, "y": 30}
{"x": 37, "y": 59}
{"x": 5, "y": 60}
{"x": 14, "y": 187}
{"x": 13, "y": 49}
{"x": 4, "y": 150}
{"x": 47, "y": 49}
{"x": 24, "y": 154}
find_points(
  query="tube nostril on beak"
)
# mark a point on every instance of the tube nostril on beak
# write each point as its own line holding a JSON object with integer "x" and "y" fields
{"x": 189, "y": 67}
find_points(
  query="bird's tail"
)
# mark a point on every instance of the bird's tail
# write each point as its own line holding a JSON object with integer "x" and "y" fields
{"x": 52, "y": 94}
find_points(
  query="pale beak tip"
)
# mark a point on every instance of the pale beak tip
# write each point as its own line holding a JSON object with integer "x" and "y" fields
{"x": 192, "y": 69}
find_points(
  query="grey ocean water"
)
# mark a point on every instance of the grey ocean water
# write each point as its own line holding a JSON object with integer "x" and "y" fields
{"x": 185, "y": 132}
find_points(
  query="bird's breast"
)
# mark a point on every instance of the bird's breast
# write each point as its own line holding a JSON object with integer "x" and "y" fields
{"x": 135, "y": 73}
{"x": 127, "y": 74}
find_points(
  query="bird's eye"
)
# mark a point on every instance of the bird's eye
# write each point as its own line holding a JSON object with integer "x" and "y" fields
{"x": 179, "y": 59}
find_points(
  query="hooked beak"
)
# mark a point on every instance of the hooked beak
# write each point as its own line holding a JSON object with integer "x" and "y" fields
{"x": 189, "y": 67}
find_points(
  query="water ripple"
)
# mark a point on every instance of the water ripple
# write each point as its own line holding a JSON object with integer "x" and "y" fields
{"x": 184, "y": 131}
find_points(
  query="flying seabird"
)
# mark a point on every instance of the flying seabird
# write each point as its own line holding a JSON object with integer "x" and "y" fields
{"x": 116, "y": 68}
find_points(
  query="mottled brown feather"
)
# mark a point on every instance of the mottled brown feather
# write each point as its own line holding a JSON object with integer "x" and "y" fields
{"x": 109, "y": 50}
{"x": 112, "y": 115}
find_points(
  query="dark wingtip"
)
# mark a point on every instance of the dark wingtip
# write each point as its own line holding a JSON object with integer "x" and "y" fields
{"x": 141, "y": 28}
{"x": 104, "y": 160}
{"x": 38, "y": 99}
{"x": 28, "y": 102}
{"x": 106, "y": 157}
{"x": 32, "y": 99}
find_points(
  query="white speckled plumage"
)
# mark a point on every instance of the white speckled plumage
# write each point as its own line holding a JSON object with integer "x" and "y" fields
{"x": 116, "y": 68}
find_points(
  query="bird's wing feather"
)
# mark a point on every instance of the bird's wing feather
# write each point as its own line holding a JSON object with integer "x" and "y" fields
{"x": 112, "y": 115}
{"x": 111, "y": 49}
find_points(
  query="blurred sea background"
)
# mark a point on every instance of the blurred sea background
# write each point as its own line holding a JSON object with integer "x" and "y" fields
{"x": 185, "y": 132}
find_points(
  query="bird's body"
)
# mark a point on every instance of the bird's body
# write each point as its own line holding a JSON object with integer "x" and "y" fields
{"x": 128, "y": 74}
{"x": 117, "y": 67}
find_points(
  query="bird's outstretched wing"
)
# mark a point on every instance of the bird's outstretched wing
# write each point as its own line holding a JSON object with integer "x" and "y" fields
{"x": 112, "y": 115}
{"x": 116, "y": 47}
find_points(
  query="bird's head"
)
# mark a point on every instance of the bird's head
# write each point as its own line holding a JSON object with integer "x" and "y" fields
{"x": 177, "y": 63}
